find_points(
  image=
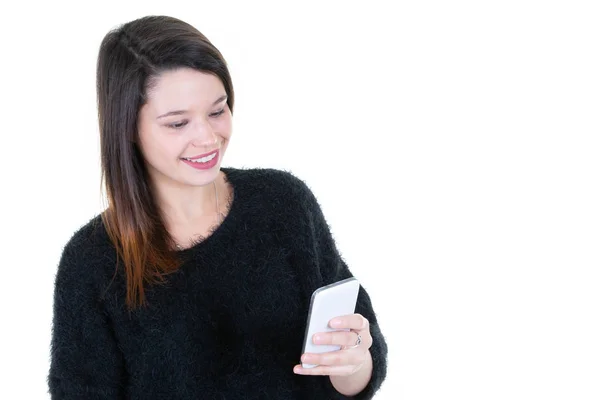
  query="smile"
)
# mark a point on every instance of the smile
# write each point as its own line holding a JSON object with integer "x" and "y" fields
{"x": 202, "y": 159}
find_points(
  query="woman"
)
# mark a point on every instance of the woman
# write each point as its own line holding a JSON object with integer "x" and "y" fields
{"x": 196, "y": 280}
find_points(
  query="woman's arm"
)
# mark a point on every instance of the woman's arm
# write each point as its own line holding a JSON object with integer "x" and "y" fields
{"x": 85, "y": 360}
{"x": 333, "y": 268}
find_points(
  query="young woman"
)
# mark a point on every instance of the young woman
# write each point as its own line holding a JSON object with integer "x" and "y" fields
{"x": 196, "y": 280}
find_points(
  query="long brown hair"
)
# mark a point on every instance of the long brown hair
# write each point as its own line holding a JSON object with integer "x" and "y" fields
{"x": 130, "y": 59}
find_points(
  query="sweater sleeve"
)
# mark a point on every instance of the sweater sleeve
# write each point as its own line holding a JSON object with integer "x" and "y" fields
{"x": 333, "y": 268}
{"x": 85, "y": 362}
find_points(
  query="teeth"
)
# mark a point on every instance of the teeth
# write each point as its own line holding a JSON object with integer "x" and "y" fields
{"x": 203, "y": 159}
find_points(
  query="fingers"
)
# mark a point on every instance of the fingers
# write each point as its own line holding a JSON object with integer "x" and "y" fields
{"x": 341, "y": 338}
{"x": 352, "y": 321}
{"x": 346, "y": 361}
{"x": 358, "y": 325}
{"x": 344, "y": 370}
{"x": 335, "y": 358}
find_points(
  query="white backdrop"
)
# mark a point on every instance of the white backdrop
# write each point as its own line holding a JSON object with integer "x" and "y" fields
{"x": 453, "y": 146}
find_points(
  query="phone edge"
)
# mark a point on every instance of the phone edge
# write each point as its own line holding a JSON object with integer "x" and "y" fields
{"x": 312, "y": 299}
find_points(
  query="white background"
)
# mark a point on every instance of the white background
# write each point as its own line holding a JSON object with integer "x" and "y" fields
{"x": 454, "y": 147}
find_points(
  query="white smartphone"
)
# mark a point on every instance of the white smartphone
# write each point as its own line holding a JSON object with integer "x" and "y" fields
{"x": 326, "y": 303}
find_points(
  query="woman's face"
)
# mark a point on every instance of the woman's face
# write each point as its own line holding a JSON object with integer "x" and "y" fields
{"x": 186, "y": 115}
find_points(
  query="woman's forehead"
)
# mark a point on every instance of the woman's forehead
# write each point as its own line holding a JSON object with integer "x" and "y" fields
{"x": 185, "y": 85}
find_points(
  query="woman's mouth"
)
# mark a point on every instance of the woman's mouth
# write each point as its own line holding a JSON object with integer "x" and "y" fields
{"x": 205, "y": 161}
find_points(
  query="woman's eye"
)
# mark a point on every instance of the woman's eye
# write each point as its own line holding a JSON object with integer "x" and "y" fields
{"x": 177, "y": 125}
{"x": 217, "y": 113}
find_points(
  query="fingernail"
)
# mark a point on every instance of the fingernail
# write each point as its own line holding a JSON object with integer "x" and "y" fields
{"x": 318, "y": 339}
{"x": 336, "y": 322}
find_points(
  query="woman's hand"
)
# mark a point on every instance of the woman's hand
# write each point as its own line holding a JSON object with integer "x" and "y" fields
{"x": 350, "y": 358}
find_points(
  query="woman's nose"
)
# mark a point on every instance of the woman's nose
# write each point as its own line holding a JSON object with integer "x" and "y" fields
{"x": 204, "y": 136}
{"x": 209, "y": 144}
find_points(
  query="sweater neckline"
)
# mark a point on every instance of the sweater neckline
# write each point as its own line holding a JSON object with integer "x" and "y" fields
{"x": 218, "y": 230}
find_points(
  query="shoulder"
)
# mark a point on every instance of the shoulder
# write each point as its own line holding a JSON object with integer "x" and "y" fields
{"x": 90, "y": 233}
{"x": 89, "y": 238}
{"x": 279, "y": 184}
{"x": 84, "y": 255}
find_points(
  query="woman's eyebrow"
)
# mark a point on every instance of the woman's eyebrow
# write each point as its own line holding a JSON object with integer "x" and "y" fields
{"x": 179, "y": 112}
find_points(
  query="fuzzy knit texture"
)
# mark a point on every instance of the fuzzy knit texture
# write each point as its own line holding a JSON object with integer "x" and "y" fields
{"x": 230, "y": 322}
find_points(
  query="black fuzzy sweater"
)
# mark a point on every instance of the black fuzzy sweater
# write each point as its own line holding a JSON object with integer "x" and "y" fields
{"x": 229, "y": 324}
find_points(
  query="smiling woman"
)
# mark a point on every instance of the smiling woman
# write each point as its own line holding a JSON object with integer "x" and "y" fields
{"x": 195, "y": 282}
{"x": 195, "y": 125}
{"x": 194, "y": 133}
